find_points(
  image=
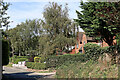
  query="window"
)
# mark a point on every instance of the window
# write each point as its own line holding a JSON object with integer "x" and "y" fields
{"x": 77, "y": 46}
{"x": 84, "y": 42}
{"x": 80, "y": 50}
{"x": 80, "y": 42}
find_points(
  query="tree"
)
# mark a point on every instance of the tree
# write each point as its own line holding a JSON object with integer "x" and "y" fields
{"x": 3, "y": 19}
{"x": 100, "y": 19}
{"x": 5, "y": 52}
{"x": 44, "y": 36}
{"x": 58, "y": 26}
{"x": 24, "y": 37}
{"x": 4, "y": 22}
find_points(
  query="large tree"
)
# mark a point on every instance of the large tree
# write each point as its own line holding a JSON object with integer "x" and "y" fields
{"x": 100, "y": 19}
{"x": 55, "y": 32}
{"x": 24, "y": 37}
{"x": 58, "y": 26}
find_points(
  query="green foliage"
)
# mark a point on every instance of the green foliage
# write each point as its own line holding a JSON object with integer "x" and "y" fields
{"x": 43, "y": 58}
{"x": 3, "y": 12}
{"x": 93, "y": 51}
{"x": 23, "y": 38}
{"x": 9, "y": 65}
{"x": 37, "y": 59}
{"x": 56, "y": 61}
{"x": 36, "y": 37}
{"x": 36, "y": 65}
{"x": 99, "y": 19}
{"x": 31, "y": 58}
{"x": 90, "y": 69}
{"x": 17, "y": 59}
{"x": 118, "y": 42}
{"x": 21, "y": 56}
{"x": 59, "y": 28}
{"x": 5, "y": 52}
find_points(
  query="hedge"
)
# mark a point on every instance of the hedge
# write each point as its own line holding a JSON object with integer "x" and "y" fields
{"x": 56, "y": 61}
{"x": 19, "y": 60}
{"x": 93, "y": 51}
{"x": 36, "y": 65}
{"x": 15, "y": 59}
{"x": 5, "y": 52}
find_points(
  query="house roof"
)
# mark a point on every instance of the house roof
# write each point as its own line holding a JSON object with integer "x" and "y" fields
{"x": 80, "y": 36}
{"x": 89, "y": 38}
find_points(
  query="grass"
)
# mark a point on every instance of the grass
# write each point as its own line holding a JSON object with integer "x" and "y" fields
{"x": 90, "y": 69}
{"x": 44, "y": 71}
{"x": 9, "y": 65}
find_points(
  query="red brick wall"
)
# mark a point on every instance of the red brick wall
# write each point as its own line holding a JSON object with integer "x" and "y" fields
{"x": 76, "y": 50}
{"x": 73, "y": 51}
{"x": 81, "y": 45}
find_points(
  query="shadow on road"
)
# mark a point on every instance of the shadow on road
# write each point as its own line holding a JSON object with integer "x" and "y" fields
{"x": 23, "y": 76}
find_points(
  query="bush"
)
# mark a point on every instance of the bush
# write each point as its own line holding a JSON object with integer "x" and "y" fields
{"x": 43, "y": 58}
{"x": 22, "y": 57}
{"x": 5, "y": 52}
{"x": 31, "y": 58}
{"x": 19, "y": 60}
{"x": 40, "y": 59}
{"x": 36, "y": 65}
{"x": 56, "y": 61}
{"x": 93, "y": 51}
{"x": 37, "y": 59}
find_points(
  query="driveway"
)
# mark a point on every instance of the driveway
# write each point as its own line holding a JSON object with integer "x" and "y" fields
{"x": 11, "y": 73}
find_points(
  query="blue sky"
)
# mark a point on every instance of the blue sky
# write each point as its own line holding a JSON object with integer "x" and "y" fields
{"x": 20, "y": 10}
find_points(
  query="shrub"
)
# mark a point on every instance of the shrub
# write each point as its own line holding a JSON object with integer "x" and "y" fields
{"x": 5, "y": 52}
{"x": 40, "y": 59}
{"x": 56, "y": 61}
{"x": 19, "y": 60}
{"x": 37, "y": 59}
{"x": 22, "y": 57}
{"x": 31, "y": 58}
{"x": 43, "y": 58}
{"x": 36, "y": 65}
{"x": 93, "y": 51}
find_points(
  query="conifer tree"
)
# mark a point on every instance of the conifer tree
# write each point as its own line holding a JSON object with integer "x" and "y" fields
{"x": 100, "y": 19}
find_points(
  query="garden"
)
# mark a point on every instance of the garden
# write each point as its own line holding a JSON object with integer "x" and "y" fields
{"x": 87, "y": 65}
{"x": 42, "y": 42}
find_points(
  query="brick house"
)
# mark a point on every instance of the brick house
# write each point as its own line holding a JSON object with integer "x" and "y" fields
{"x": 82, "y": 39}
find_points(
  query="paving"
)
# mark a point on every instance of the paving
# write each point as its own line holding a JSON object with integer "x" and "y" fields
{"x": 12, "y": 73}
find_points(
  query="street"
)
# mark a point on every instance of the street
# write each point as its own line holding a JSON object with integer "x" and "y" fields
{"x": 11, "y": 73}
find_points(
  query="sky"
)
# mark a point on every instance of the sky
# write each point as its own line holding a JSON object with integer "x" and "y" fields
{"x": 20, "y": 10}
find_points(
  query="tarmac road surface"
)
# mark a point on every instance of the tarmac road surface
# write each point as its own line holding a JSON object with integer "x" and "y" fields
{"x": 12, "y": 73}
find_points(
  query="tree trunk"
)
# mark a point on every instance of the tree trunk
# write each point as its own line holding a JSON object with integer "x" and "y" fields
{"x": 19, "y": 53}
{"x": 12, "y": 57}
{"x": 12, "y": 54}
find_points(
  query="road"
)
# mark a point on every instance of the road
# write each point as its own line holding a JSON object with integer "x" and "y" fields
{"x": 11, "y": 73}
